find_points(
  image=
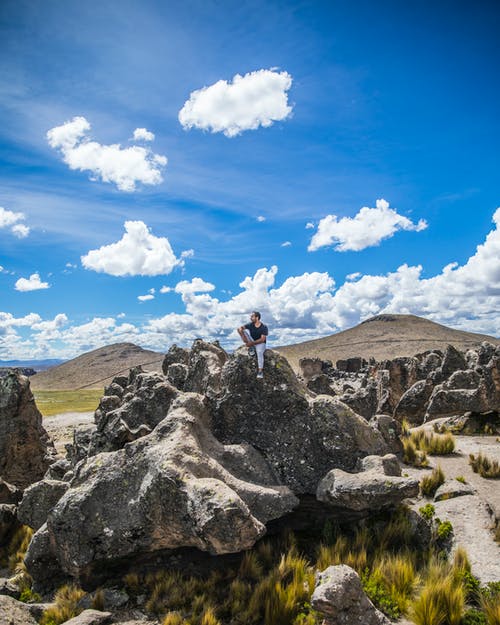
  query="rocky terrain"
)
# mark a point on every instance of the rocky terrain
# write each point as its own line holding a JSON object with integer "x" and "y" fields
{"x": 385, "y": 337}
{"x": 189, "y": 467}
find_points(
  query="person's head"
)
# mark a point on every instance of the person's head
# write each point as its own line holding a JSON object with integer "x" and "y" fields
{"x": 255, "y": 316}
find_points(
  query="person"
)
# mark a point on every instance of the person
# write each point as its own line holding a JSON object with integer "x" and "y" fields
{"x": 254, "y": 335}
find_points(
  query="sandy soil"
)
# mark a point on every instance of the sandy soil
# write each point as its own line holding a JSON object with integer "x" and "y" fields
{"x": 60, "y": 427}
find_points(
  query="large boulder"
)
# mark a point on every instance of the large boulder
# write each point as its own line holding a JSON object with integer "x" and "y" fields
{"x": 14, "y": 612}
{"x": 376, "y": 487}
{"x": 413, "y": 403}
{"x": 26, "y": 450}
{"x": 176, "y": 487}
{"x": 205, "y": 368}
{"x": 339, "y": 597}
{"x": 300, "y": 436}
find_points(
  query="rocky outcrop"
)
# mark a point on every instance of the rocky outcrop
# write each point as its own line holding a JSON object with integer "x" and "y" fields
{"x": 176, "y": 487}
{"x": 419, "y": 388}
{"x": 339, "y": 597}
{"x": 377, "y": 486}
{"x": 301, "y": 437}
{"x": 14, "y": 612}
{"x": 26, "y": 450}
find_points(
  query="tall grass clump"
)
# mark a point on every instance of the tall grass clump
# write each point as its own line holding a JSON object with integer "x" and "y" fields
{"x": 66, "y": 605}
{"x": 490, "y": 605}
{"x": 430, "y": 483}
{"x": 441, "y": 601}
{"x": 412, "y": 455}
{"x": 484, "y": 466}
{"x": 432, "y": 443}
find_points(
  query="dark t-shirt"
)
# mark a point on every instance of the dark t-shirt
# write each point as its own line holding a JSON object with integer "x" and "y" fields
{"x": 256, "y": 333}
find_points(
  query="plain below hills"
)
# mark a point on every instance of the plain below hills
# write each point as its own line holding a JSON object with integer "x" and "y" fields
{"x": 385, "y": 337}
{"x": 96, "y": 369}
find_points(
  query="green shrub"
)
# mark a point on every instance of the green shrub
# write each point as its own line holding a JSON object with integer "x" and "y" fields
{"x": 427, "y": 511}
{"x": 444, "y": 530}
{"x": 28, "y": 596}
{"x": 430, "y": 483}
{"x": 473, "y": 617}
{"x": 484, "y": 466}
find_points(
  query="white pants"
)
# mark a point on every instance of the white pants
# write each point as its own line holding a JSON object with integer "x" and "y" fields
{"x": 260, "y": 348}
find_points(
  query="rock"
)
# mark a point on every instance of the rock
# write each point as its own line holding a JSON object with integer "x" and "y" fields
{"x": 82, "y": 440}
{"x": 365, "y": 492}
{"x": 58, "y": 469}
{"x": 8, "y": 522}
{"x": 90, "y": 617}
{"x": 42, "y": 562}
{"x": 145, "y": 402}
{"x": 340, "y": 599}
{"x": 26, "y": 450}
{"x": 391, "y": 432}
{"x": 177, "y": 374}
{"x": 413, "y": 403}
{"x": 351, "y": 365}
{"x": 387, "y": 465}
{"x": 205, "y": 368}
{"x": 454, "y": 402}
{"x": 453, "y": 360}
{"x": 175, "y": 355}
{"x": 14, "y": 612}
{"x": 38, "y": 500}
{"x": 453, "y": 488}
{"x": 9, "y": 589}
{"x": 112, "y": 598}
{"x": 176, "y": 487}
{"x": 9, "y": 493}
{"x": 363, "y": 401}
{"x": 301, "y": 437}
{"x": 320, "y": 384}
{"x": 310, "y": 367}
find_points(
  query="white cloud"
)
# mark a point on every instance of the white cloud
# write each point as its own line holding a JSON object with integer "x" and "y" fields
{"x": 145, "y": 298}
{"x": 353, "y": 276}
{"x": 299, "y": 308}
{"x": 33, "y": 283}
{"x": 366, "y": 229}
{"x": 57, "y": 323}
{"x": 256, "y": 99}
{"x": 309, "y": 225}
{"x": 286, "y": 244}
{"x": 137, "y": 253}
{"x": 111, "y": 163}
{"x": 166, "y": 289}
{"x": 261, "y": 218}
{"x": 10, "y": 219}
{"x": 141, "y": 134}
{"x": 20, "y": 231}
{"x": 196, "y": 285}
{"x": 187, "y": 254}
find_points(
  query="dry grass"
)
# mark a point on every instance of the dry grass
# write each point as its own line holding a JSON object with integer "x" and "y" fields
{"x": 50, "y": 403}
{"x": 433, "y": 444}
{"x": 484, "y": 466}
{"x": 430, "y": 483}
{"x": 65, "y": 605}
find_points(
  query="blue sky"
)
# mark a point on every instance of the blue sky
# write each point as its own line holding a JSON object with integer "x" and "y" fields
{"x": 320, "y": 161}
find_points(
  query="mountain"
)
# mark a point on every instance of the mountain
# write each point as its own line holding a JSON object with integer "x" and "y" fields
{"x": 37, "y": 365}
{"x": 97, "y": 368}
{"x": 383, "y": 337}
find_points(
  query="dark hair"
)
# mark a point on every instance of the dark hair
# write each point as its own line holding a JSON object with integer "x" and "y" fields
{"x": 257, "y": 314}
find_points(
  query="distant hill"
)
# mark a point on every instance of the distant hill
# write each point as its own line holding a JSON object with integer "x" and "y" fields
{"x": 384, "y": 337}
{"x": 37, "y": 365}
{"x": 97, "y": 368}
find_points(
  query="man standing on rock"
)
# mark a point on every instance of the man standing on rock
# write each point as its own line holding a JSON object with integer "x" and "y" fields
{"x": 254, "y": 336}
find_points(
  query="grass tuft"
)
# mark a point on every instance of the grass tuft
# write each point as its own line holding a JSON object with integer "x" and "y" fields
{"x": 484, "y": 466}
{"x": 430, "y": 483}
{"x": 65, "y": 605}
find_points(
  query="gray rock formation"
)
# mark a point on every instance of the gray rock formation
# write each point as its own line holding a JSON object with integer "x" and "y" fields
{"x": 376, "y": 487}
{"x": 90, "y": 617}
{"x": 422, "y": 387}
{"x": 301, "y": 437}
{"x": 14, "y": 612}
{"x": 176, "y": 487}
{"x": 340, "y": 599}
{"x": 38, "y": 500}
{"x": 26, "y": 450}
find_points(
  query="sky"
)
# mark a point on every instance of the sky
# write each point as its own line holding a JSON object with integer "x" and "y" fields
{"x": 168, "y": 167}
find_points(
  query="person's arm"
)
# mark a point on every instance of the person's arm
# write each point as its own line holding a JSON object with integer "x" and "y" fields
{"x": 244, "y": 338}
